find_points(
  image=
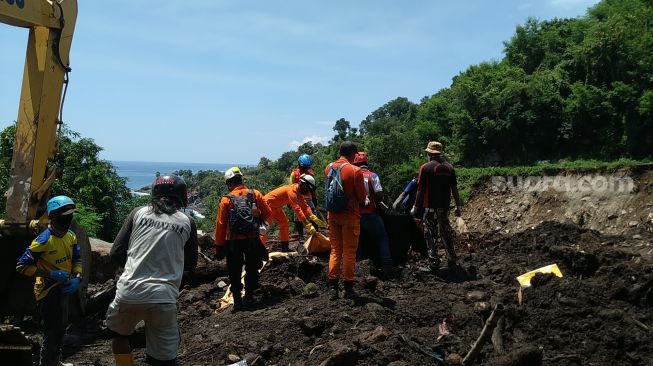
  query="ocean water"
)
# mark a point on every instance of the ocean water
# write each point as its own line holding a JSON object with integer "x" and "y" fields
{"x": 142, "y": 173}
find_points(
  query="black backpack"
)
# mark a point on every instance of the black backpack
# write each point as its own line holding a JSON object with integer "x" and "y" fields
{"x": 241, "y": 219}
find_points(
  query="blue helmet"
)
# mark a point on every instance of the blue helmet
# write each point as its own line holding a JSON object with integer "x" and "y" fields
{"x": 305, "y": 161}
{"x": 61, "y": 205}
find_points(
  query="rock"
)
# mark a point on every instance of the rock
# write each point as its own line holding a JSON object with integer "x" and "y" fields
{"x": 481, "y": 307}
{"x": 379, "y": 334}
{"x": 222, "y": 284}
{"x": 632, "y": 223}
{"x": 297, "y": 286}
{"x": 476, "y": 295}
{"x": 103, "y": 267}
{"x": 233, "y": 358}
{"x": 454, "y": 359}
{"x": 342, "y": 356}
{"x": 612, "y": 216}
{"x": 637, "y": 236}
{"x": 370, "y": 283}
{"x": 397, "y": 363}
{"x": 312, "y": 327}
{"x": 266, "y": 351}
{"x": 508, "y": 200}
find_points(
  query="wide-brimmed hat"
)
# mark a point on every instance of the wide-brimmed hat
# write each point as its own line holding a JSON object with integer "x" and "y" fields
{"x": 434, "y": 147}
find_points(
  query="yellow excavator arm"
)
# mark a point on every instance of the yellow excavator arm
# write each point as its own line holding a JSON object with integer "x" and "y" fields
{"x": 51, "y": 25}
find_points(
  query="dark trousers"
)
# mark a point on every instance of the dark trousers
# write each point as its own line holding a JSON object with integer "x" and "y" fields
{"x": 54, "y": 314}
{"x": 248, "y": 252}
{"x": 372, "y": 228}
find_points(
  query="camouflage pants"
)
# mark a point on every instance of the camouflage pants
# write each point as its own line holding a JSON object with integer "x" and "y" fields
{"x": 436, "y": 223}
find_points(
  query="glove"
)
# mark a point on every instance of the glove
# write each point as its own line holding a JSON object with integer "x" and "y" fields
{"x": 59, "y": 275}
{"x": 311, "y": 229}
{"x": 316, "y": 220}
{"x": 220, "y": 253}
{"x": 70, "y": 287}
{"x": 263, "y": 228}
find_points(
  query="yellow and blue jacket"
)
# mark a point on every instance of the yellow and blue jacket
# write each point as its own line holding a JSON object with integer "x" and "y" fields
{"x": 50, "y": 252}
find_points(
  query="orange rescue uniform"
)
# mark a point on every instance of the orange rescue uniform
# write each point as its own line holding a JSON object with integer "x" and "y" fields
{"x": 344, "y": 227}
{"x": 222, "y": 233}
{"x": 286, "y": 195}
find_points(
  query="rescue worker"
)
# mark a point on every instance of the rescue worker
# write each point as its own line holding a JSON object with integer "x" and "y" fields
{"x": 293, "y": 195}
{"x": 54, "y": 259}
{"x": 156, "y": 245}
{"x": 404, "y": 203}
{"x": 344, "y": 226}
{"x": 240, "y": 214}
{"x": 372, "y": 225}
{"x": 435, "y": 185}
{"x": 304, "y": 163}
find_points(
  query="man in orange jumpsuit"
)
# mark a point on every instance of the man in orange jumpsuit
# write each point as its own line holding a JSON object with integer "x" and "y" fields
{"x": 344, "y": 222}
{"x": 293, "y": 195}
{"x": 239, "y": 217}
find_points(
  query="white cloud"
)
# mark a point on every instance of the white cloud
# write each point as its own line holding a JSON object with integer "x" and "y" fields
{"x": 313, "y": 138}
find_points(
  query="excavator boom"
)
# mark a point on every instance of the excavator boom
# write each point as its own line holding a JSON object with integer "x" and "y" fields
{"x": 51, "y": 26}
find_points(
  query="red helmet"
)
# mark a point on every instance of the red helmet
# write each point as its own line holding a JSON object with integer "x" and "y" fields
{"x": 361, "y": 158}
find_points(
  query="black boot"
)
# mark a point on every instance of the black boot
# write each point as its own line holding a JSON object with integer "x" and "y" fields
{"x": 333, "y": 289}
{"x": 248, "y": 299}
{"x": 284, "y": 247}
{"x": 238, "y": 304}
{"x": 349, "y": 290}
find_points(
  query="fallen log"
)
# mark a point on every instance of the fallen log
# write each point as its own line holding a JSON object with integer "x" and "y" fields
{"x": 486, "y": 332}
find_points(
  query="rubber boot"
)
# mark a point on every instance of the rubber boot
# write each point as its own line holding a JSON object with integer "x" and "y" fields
{"x": 124, "y": 359}
{"x": 333, "y": 289}
{"x": 284, "y": 247}
{"x": 349, "y": 290}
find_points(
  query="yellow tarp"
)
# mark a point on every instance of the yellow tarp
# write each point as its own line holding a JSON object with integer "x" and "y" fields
{"x": 525, "y": 279}
{"x": 318, "y": 243}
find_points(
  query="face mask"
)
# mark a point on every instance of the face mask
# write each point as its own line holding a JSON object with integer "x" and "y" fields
{"x": 62, "y": 222}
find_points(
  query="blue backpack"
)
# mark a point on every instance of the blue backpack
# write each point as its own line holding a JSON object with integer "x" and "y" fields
{"x": 335, "y": 198}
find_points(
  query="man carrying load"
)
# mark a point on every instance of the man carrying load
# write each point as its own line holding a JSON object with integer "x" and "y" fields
{"x": 293, "y": 195}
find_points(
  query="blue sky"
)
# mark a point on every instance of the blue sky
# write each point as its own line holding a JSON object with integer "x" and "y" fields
{"x": 230, "y": 81}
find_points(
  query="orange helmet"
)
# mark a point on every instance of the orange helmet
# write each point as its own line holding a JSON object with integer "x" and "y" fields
{"x": 361, "y": 158}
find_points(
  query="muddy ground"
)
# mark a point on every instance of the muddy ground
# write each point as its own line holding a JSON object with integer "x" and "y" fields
{"x": 598, "y": 313}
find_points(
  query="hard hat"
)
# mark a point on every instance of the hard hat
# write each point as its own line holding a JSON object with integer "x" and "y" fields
{"x": 170, "y": 186}
{"x": 60, "y": 205}
{"x": 305, "y": 161}
{"x": 361, "y": 158}
{"x": 308, "y": 179}
{"x": 232, "y": 172}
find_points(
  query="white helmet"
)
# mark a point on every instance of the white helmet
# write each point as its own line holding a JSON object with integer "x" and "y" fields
{"x": 308, "y": 179}
{"x": 232, "y": 172}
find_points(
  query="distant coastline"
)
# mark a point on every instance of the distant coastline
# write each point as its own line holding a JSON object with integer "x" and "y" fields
{"x": 141, "y": 173}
